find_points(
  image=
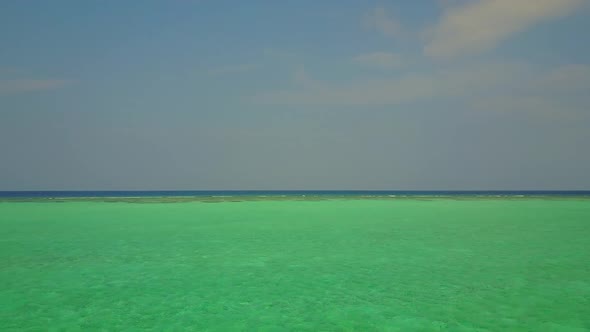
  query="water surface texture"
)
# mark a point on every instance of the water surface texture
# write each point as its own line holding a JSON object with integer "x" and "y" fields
{"x": 286, "y": 264}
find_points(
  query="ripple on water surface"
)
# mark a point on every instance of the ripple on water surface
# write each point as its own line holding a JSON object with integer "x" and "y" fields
{"x": 485, "y": 264}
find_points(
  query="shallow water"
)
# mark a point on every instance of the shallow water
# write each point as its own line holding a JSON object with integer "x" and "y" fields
{"x": 296, "y": 265}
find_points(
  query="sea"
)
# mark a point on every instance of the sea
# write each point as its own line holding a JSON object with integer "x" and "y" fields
{"x": 295, "y": 261}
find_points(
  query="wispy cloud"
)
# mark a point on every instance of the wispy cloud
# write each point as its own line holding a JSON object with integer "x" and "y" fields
{"x": 234, "y": 69}
{"x": 301, "y": 76}
{"x": 26, "y": 85}
{"x": 384, "y": 60}
{"x": 9, "y": 71}
{"x": 476, "y": 26}
{"x": 279, "y": 53}
{"x": 563, "y": 91}
{"x": 532, "y": 104}
{"x": 466, "y": 26}
{"x": 459, "y": 82}
{"x": 380, "y": 20}
{"x": 570, "y": 79}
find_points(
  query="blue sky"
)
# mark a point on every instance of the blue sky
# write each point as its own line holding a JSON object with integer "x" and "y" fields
{"x": 189, "y": 94}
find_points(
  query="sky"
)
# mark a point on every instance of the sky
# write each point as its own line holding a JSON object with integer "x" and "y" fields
{"x": 308, "y": 94}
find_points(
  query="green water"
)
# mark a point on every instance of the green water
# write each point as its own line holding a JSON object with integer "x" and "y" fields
{"x": 330, "y": 265}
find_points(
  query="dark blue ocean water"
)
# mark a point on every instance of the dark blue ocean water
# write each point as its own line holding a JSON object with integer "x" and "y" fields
{"x": 205, "y": 193}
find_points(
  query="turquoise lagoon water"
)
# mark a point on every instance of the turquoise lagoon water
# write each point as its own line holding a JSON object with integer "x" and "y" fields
{"x": 295, "y": 264}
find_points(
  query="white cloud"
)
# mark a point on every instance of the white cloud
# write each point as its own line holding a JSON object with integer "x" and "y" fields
{"x": 467, "y": 26}
{"x": 460, "y": 82}
{"x": 234, "y": 69}
{"x": 379, "y": 19}
{"x": 379, "y": 59}
{"x": 26, "y": 85}
{"x": 477, "y": 26}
